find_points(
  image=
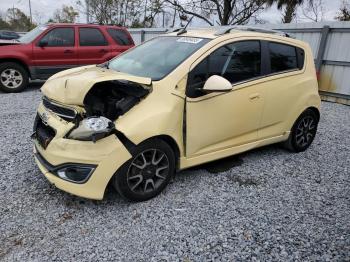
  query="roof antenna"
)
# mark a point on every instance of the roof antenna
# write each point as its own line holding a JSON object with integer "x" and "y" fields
{"x": 183, "y": 30}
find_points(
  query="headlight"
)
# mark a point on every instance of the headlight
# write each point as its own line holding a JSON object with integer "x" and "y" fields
{"x": 92, "y": 128}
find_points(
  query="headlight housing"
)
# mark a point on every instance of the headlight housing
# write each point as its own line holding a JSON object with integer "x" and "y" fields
{"x": 92, "y": 129}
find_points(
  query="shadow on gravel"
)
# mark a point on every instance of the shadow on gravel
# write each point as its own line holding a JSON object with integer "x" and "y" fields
{"x": 34, "y": 85}
{"x": 221, "y": 165}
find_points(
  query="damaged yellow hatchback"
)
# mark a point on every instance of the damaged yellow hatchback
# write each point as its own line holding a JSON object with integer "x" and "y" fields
{"x": 175, "y": 101}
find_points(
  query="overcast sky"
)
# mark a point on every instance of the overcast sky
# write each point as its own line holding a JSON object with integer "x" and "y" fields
{"x": 43, "y": 9}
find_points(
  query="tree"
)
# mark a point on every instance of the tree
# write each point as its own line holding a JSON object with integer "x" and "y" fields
{"x": 18, "y": 21}
{"x": 4, "y": 24}
{"x": 314, "y": 10}
{"x": 290, "y": 8}
{"x": 344, "y": 12}
{"x": 225, "y": 12}
{"x": 122, "y": 12}
{"x": 66, "y": 14}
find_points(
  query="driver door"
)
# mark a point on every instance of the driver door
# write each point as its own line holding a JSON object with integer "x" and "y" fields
{"x": 59, "y": 52}
{"x": 217, "y": 121}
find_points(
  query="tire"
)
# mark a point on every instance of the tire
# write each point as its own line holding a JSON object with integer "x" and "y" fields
{"x": 147, "y": 173}
{"x": 13, "y": 77}
{"x": 303, "y": 132}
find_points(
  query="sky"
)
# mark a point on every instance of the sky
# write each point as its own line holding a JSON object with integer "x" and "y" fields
{"x": 42, "y": 10}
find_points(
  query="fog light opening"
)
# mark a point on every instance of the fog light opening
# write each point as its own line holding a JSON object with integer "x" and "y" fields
{"x": 76, "y": 174}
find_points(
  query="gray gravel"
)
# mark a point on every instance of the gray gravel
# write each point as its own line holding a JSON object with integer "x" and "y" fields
{"x": 268, "y": 205}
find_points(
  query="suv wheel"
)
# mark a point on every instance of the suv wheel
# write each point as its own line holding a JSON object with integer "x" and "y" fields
{"x": 303, "y": 132}
{"x": 13, "y": 77}
{"x": 147, "y": 173}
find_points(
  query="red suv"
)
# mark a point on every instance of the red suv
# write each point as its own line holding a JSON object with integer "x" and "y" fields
{"x": 48, "y": 49}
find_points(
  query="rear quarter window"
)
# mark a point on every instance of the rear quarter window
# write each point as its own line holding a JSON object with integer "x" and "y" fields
{"x": 120, "y": 36}
{"x": 283, "y": 57}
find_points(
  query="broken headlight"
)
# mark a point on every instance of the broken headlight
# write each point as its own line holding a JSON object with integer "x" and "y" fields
{"x": 92, "y": 129}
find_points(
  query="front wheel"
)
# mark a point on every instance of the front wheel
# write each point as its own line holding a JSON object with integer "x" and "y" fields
{"x": 13, "y": 77}
{"x": 303, "y": 132}
{"x": 147, "y": 173}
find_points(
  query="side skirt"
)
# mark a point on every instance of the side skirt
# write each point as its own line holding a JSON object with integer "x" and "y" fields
{"x": 44, "y": 72}
{"x": 186, "y": 162}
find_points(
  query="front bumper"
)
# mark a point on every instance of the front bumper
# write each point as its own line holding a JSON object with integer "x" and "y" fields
{"x": 107, "y": 154}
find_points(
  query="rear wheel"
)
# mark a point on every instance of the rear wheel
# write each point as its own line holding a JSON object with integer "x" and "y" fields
{"x": 147, "y": 173}
{"x": 13, "y": 77}
{"x": 303, "y": 132}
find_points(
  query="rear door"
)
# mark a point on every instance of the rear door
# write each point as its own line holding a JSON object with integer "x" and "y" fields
{"x": 93, "y": 46}
{"x": 58, "y": 54}
{"x": 284, "y": 85}
{"x": 122, "y": 40}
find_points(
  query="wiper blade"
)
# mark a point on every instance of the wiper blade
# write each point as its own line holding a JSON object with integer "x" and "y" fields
{"x": 106, "y": 65}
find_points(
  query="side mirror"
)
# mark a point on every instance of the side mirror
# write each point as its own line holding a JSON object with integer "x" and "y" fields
{"x": 43, "y": 43}
{"x": 217, "y": 83}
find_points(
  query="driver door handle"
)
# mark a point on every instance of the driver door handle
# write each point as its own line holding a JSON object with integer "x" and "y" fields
{"x": 254, "y": 96}
{"x": 68, "y": 51}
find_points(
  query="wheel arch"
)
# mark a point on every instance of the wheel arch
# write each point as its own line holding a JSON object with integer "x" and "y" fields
{"x": 315, "y": 110}
{"x": 172, "y": 143}
{"x": 18, "y": 61}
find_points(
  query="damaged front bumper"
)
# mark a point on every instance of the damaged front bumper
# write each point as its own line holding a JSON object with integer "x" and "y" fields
{"x": 103, "y": 157}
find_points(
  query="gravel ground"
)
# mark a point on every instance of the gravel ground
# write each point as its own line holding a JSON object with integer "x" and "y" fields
{"x": 266, "y": 204}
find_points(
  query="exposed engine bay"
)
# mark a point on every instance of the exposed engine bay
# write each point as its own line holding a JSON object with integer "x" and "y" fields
{"x": 103, "y": 104}
{"x": 114, "y": 98}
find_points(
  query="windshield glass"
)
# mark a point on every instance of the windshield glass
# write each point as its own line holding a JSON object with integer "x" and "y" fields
{"x": 158, "y": 57}
{"x": 31, "y": 35}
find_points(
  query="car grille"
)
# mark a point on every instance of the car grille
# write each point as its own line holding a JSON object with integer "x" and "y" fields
{"x": 64, "y": 112}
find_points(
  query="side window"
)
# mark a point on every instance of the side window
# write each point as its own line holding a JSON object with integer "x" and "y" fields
{"x": 282, "y": 57}
{"x": 91, "y": 37}
{"x": 119, "y": 36}
{"x": 236, "y": 62}
{"x": 60, "y": 37}
{"x": 301, "y": 57}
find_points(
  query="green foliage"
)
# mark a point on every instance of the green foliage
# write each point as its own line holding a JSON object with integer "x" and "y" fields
{"x": 133, "y": 13}
{"x": 344, "y": 12}
{"x": 290, "y": 8}
{"x": 16, "y": 20}
{"x": 66, "y": 14}
{"x": 4, "y": 24}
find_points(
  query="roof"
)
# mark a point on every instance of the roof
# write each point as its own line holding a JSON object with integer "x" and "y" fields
{"x": 81, "y": 24}
{"x": 227, "y": 32}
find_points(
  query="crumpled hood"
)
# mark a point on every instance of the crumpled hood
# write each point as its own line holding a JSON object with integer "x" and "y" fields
{"x": 71, "y": 86}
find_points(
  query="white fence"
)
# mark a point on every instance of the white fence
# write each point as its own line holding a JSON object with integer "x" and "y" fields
{"x": 330, "y": 42}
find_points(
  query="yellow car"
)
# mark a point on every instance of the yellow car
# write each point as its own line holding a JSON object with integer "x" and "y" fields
{"x": 176, "y": 101}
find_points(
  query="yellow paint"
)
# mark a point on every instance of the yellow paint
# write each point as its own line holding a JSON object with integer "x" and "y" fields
{"x": 252, "y": 114}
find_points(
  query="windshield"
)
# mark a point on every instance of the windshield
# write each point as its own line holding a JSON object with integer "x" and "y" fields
{"x": 158, "y": 57}
{"x": 31, "y": 35}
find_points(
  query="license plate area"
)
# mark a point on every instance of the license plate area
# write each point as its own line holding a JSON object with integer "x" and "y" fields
{"x": 43, "y": 133}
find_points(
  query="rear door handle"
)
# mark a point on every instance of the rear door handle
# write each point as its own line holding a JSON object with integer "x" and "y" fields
{"x": 68, "y": 51}
{"x": 254, "y": 96}
{"x": 103, "y": 50}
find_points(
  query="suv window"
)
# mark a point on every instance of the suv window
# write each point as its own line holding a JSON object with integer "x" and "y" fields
{"x": 236, "y": 62}
{"x": 282, "y": 57}
{"x": 119, "y": 36}
{"x": 91, "y": 37}
{"x": 60, "y": 37}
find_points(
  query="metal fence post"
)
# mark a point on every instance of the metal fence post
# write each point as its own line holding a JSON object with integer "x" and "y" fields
{"x": 143, "y": 36}
{"x": 322, "y": 47}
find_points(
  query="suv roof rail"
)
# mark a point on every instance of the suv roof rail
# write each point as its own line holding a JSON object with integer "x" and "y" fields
{"x": 251, "y": 29}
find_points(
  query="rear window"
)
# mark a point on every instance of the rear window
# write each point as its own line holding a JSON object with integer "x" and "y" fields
{"x": 282, "y": 57}
{"x": 119, "y": 36}
{"x": 91, "y": 37}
